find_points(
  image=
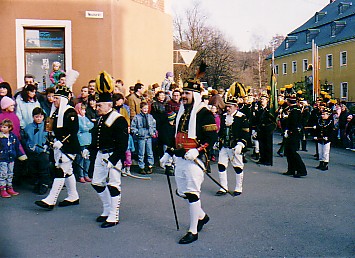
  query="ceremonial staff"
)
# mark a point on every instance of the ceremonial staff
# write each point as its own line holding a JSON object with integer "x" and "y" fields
{"x": 172, "y": 199}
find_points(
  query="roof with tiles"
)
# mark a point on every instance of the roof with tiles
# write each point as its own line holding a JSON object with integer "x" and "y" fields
{"x": 337, "y": 17}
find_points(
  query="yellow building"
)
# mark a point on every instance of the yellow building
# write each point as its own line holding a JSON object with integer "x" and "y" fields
{"x": 130, "y": 39}
{"x": 333, "y": 30}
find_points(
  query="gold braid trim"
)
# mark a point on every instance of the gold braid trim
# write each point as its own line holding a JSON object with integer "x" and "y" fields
{"x": 246, "y": 130}
{"x": 210, "y": 128}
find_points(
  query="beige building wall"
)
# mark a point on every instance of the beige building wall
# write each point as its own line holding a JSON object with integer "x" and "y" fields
{"x": 132, "y": 42}
{"x": 334, "y": 76}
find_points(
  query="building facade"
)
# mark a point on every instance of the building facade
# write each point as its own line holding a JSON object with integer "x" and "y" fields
{"x": 130, "y": 39}
{"x": 333, "y": 30}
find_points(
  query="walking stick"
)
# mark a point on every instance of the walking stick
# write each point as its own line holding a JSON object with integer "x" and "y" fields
{"x": 172, "y": 200}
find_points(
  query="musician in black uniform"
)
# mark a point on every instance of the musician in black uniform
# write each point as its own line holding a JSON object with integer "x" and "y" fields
{"x": 196, "y": 131}
{"x": 265, "y": 126}
{"x": 63, "y": 125}
{"x": 323, "y": 135}
{"x": 233, "y": 136}
{"x": 292, "y": 134}
{"x": 109, "y": 142}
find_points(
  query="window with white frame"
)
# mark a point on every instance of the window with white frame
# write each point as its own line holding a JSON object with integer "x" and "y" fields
{"x": 329, "y": 61}
{"x": 343, "y": 58}
{"x": 344, "y": 90}
{"x": 294, "y": 66}
{"x": 305, "y": 65}
{"x": 277, "y": 69}
{"x": 284, "y": 68}
{"x": 40, "y": 42}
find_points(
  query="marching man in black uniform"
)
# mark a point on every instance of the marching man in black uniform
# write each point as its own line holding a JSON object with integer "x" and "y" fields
{"x": 233, "y": 137}
{"x": 323, "y": 135}
{"x": 196, "y": 130}
{"x": 110, "y": 142}
{"x": 293, "y": 125}
{"x": 64, "y": 124}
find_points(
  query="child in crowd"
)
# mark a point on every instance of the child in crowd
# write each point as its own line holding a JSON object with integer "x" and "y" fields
{"x": 143, "y": 126}
{"x": 84, "y": 137}
{"x": 35, "y": 138}
{"x": 9, "y": 146}
{"x": 56, "y": 72}
{"x": 324, "y": 129}
{"x": 130, "y": 149}
{"x": 217, "y": 119}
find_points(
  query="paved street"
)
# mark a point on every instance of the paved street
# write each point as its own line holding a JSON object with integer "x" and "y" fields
{"x": 276, "y": 216}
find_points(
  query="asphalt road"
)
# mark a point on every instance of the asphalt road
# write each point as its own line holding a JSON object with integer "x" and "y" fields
{"x": 276, "y": 216}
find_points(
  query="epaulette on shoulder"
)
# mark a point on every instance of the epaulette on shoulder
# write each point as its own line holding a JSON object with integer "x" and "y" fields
{"x": 210, "y": 128}
{"x": 239, "y": 114}
{"x": 112, "y": 118}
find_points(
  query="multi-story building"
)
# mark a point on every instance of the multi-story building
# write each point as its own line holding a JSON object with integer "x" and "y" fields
{"x": 333, "y": 30}
{"x": 130, "y": 39}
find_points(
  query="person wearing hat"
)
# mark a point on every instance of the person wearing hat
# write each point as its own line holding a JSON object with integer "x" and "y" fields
{"x": 233, "y": 136}
{"x": 264, "y": 124}
{"x": 324, "y": 129}
{"x": 63, "y": 126}
{"x": 195, "y": 131}
{"x": 8, "y": 111}
{"x": 109, "y": 142}
{"x": 292, "y": 134}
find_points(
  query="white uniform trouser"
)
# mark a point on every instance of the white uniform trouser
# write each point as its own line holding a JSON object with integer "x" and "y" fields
{"x": 324, "y": 150}
{"x": 225, "y": 155}
{"x": 188, "y": 176}
{"x": 102, "y": 172}
{"x": 111, "y": 204}
{"x": 65, "y": 164}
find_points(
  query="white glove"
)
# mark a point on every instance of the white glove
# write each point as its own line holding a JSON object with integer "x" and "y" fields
{"x": 286, "y": 134}
{"x": 85, "y": 154}
{"x": 315, "y": 138}
{"x": 254, "y": 134}
{"x": 57, "y": 145}
{"x": 166, "y": 157}
{"x": 314, "y": 127}
{"x": 325, "y": 138}
{"x": 191, "y": 154}
{"x": 238, "y": 148}
{"x": 45, "y": 147}
{"x": 216, "y": 146}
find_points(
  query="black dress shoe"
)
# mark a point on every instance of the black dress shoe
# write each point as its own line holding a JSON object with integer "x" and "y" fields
{"x": 288, "y": 173}
{"x": 202, "y": 222}
{"x": 280, "y": 154}
{"x": 188, "y": 238}
{"x": 109, "y": 224}
{"x": 220, "y": 193}
{"x": 68, "y": 203}
{"x": 236, "y": 193}
{"x": 42, "y": 204}
{"x": 299, "y": 175}
{"x": 101, "y": 218}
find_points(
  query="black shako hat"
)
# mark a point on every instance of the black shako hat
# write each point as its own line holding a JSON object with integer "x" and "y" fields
{"x": 62, "y": 91}
{"x": 104, "y": 87}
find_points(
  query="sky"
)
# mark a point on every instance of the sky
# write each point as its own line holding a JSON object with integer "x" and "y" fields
{"x": 251, "y": 24}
